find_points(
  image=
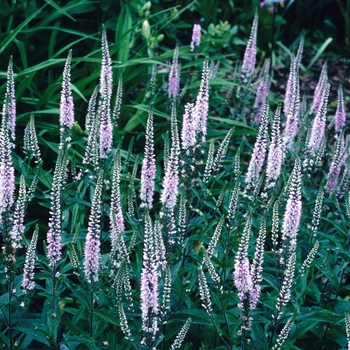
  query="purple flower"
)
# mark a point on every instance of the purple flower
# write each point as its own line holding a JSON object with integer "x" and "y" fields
{"x": 275, "y": 156}
{"x": 117, "y": 224}
{"x": 54, "y": 234}
{"x": 292, "y": 99}
{"x": 261, "y": 93}
{"x": 292, "y": 214}
{"x": 106, "y": 128}
{"x": 149, "y": 281}
{"x": 31, "y": 140}
{"x": 248, "y": 65}
{"x": 188, "y": 135}
{"x": 7, "y": 187}
{"x": 171, "y": 178}
{"x": 7, "y": 172}
{"x": 18, "y": 220}
{"x": 10, "y": 93}
{"x": 292, "y": 107}
{"x": 91, "y": 114}
{"x": 241, "y": 275}
{"x": 196, "y": 36}
{"x": 66, "y": 105}
{"x": 174, "y": 76}
{"x": 118, "y": 101}
{"x": 319, "y": 124}
{"x": 340, "y": 113}
{"x": 29, "y": 265}
{"x": 259, "y": 152}
{"x": 334, "y": 170}
{"x": 148, "y": 171}
{"x": 106, "y": 77}
{"x": 92, "y": 257}
{"x": 322, "y": 81}
{"x": 202, "y": 104}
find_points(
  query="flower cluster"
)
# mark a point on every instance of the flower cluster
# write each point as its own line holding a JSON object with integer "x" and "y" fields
{"x": 92, "y": 256}
{"x": 196, "y": 36}
{"x": 148, "y": 171}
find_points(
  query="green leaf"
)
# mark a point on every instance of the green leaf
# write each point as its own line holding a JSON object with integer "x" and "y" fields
{"x": 13, "y": 33}
{"x": 319, "y": 52}
{"x": 107, "y": 316}
{"x": 32, "y": 332}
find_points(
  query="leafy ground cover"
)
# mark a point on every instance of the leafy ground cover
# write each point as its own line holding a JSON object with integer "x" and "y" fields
{"x": 163, "y": 186}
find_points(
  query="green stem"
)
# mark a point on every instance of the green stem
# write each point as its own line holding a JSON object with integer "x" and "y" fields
{"x": 91, "y": 310}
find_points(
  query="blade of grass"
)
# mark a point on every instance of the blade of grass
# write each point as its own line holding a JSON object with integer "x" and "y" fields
{"x": 59, "y": 9}
{"x": 13, "y": 33}
{"x": 319, "y": 52}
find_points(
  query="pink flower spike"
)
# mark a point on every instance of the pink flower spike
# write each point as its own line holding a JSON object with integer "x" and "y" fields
{"x": 10, "y": 92}
{"x": 92, "y": 255}
{"x": 340, "y": 116}
{"x": 248, "y": 65}
{"x": 149, "y": 280}
{"x": 148, "y": 171}
{"x": 258, "y": 157}
{"x": 292, "y": 214}
{"x": 202, "y": 104}
{"x": 174, "y": 76}
{"x": 66, "y": 105}
{"x": 188, "y": 135}
{"x": 196, "y": 36}
{"x": 106, "y": 78}
{"x": 241, "y": 275}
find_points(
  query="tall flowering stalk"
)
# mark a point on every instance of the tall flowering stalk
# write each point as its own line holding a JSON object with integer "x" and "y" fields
{"x": 292, "y": 214}
{"x": 188, "y": 134}
{"x": 149, "y": 280}
{"x": 292, "y": 100}
{"x": 259, "y": 152}
{"x": 291, "y": 107}
{"x": 7, "y": 172}
{"x": 118, "y": 101}
{"x": 66, "y": 105}
{"x": 106, "y": 128}
{"x": 171, "y": 182}
{"x": 249, "y": 59}
{"x": 92, "y": 254}
{"x": 241, "y": 275}
{"x": 171, "y": 178}
{"x": 106, "y": 81}
{"x": 256, "y": 267}
{"x": 116, "y": 214}
{"x": 196, "y": 36}
{"x": 106, "y": 77}
{"x": 92, "y": 151}
{"x": 28, "y": 283}
{"x": 31, "y": 141}
{"x": 18, "y": 219}
{"x": 54, "y": 245}
{"x": 202, "y": 104}
{"x": 10, "y": 94}
{"x": 275, "y": 156}
{"x": 262, "y": 92}
{"x": 319, "y": 125}
{"x": 334, "y": 170}
{"x": 340, "y": 116}
{"x": 174, "y": 76}
{"x": 322, "y": 82}
{"x": 148, "y": 171}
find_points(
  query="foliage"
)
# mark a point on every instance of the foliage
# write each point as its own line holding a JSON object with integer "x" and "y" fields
{"x": 200, "y": 227}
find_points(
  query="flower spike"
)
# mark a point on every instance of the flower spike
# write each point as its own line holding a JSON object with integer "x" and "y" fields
{"x": 196, "y": 36}
{"x": 148, "y": 171}
{"x": 66, "y": 105}
{"x": 248, "y": 65}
